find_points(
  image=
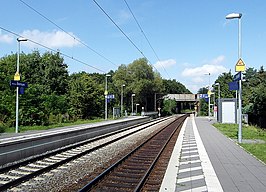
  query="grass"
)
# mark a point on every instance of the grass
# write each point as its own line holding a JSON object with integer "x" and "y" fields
{"x": 250, "y": 133}
{"x": 34, "y": 128}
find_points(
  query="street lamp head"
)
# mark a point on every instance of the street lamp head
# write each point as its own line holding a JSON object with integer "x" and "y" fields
{"x": 133, "y": 94}
{"x": 234, "y": 16}
{"x": 108, "y": 75}
{"x": 123, "y": 85}
{"x": 217, "y": 83}
{"x": 21, "y": 39}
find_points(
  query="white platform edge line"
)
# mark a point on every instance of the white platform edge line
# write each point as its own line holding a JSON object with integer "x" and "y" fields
{"x": 170, "y": 177}
{"x": 211, "y": 178}
{"x": 190, "y": 178}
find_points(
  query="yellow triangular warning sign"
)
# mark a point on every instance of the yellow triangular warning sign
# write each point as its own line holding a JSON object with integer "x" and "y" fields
{"x": 17, "y": 77}
{"x": 240, "y": 65}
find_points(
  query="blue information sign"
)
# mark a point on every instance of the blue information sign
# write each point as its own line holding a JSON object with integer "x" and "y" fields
{"x": 14, "y": 83}
{"x": 110, "y": 96}
{"x": 233, "y": 85}
{"x": 237, "y": 76}
{"x": 203, "y": 96}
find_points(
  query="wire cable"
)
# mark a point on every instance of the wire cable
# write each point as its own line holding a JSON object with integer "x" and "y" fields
{"x": 42, "y": 15}
{"x": 122, "y": 32}
{"x": 145, "y": 37}
{"x": 53, "y": 50}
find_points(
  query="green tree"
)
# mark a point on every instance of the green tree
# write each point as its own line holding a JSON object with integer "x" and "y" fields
{"x": 174, "y": 87}
{"x": 140, "y": 79}
{"x": 86, "y": 97}
{"x": 169, "y": 107}
{"x": 254, "y": 96}
{"x": 47, "y": 78}
{"x": 223, "y": 80}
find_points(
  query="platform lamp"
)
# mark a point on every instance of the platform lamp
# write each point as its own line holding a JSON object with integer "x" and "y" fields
{"x": 209, "y": 97}
{"x": 137, "y": 104}
{"x": 122, "y": 97}
{"x": 106, "y": 95}
{"x": 133, "y": 95}
{"x": 238, "y": 16}
{"x": 18, "y": 79}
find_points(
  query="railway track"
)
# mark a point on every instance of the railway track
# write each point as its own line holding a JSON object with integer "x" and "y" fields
{"x": 134, "y": 171}
{"x": 20, "y": 172}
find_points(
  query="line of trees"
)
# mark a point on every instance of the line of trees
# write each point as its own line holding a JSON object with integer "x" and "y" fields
{"x": 253, "y": 94}
{"x": 54, "y": 95}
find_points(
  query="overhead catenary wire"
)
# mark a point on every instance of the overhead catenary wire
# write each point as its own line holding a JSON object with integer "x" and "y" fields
{"x": 53, "y": 50}
{"x": 145, "y": 36}
{"x": 119, "y": 28}
{"x": 75, "y": 38}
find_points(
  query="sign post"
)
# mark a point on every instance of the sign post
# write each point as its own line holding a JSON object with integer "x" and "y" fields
{"x": 240, "y": 67}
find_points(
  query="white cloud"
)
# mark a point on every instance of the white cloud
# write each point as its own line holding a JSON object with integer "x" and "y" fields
{"x": 5, "y": 38}
{"x": 218, "y": 60}
{"x": 213, "y": 67}
{"x": 197, "y": 75}
{"x": 53, "y": 39}
{"x": 205, "y": 69}
{"x": 165, "y": 63}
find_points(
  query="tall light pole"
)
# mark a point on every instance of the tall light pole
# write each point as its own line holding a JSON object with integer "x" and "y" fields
{"x": 218, "y": 102}
{"x": 137, "y": 104}
{"x": 133, "y": 95}
{"x": 18, "y": 79}
{"x": 219, "y": 90}
{"x": 106, "y": 94}
{"x": 209, "y": 97}
{"x": 122, "y": 87}
{"x": 238, "y": 16}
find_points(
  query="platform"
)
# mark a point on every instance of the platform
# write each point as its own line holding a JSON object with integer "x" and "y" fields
{"x": 205, "y": 160}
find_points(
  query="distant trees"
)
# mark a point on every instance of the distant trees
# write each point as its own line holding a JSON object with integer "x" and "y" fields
{"x": 138, "y": 78}
{"x": 174, "y": 87}
{"x": 253, "y": 94}
{"x": 55, "y": 96}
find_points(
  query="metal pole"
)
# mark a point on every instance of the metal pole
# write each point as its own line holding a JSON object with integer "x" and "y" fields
{"x": 154, "y": 101}
{"x": 132, "y": 104}
{"x": 219, "y": 91}
{"x": 122, "y": 100}
{"x": 209, "y": 111}
{"x": 17, "y": 94}
{"x": 240, "y": 85}
{"x": 106, "y": 94}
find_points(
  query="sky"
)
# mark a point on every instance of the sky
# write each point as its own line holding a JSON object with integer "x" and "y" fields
{"x": 187, "y": 39}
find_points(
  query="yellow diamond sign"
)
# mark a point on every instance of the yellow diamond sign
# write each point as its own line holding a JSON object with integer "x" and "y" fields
{"x": 209, "y": 93}
{"x": 240, "y": 65}
{"x": 16, "y": 77}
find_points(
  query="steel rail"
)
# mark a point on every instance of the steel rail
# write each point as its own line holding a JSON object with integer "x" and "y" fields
{"x": 19, "y": 180}
{"x": 98, "y": 178}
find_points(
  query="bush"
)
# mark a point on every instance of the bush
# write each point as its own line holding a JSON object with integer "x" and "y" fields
{"x": 2, "y": 128}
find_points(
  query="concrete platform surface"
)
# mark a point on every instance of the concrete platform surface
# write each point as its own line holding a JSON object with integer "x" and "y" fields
{"x": 206, "y": 160}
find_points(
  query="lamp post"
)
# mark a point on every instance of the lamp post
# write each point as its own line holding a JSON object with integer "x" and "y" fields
{"x": 137, "y": 104}
{"x": 238, "y": 16}
{"x": 219, "y": 90}
{"x": 122, "y": 99}
{"x": 17, "y": 74}
{"x": 133, "y": 95}
{"x": 209, "y": 97}
{"x": 106, "y": 93}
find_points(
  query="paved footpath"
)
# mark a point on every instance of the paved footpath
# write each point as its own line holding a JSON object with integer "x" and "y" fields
{"x": 205, "y": 160}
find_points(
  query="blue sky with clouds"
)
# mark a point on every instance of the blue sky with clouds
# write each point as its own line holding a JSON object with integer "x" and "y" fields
{"x": 190, "y": 37}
